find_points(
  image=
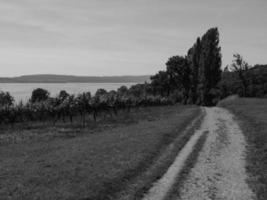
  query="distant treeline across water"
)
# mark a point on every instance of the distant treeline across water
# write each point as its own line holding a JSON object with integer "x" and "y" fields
{"x": 23, "y": 91}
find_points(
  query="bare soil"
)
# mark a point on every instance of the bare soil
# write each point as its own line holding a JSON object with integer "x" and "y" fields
{"x": 220, "y": 169}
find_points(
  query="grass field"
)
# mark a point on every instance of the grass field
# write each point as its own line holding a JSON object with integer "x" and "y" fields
{"x": 38, "y": 161}
{"x": 252, "y": 116}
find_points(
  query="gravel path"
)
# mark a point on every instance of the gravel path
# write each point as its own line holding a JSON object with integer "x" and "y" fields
{"x": 219, "y": 173}
{"x": 220, "y": 169}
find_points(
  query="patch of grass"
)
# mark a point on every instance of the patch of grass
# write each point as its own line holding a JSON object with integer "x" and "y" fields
{"x": 252, "y": 116}
{"x": 40, "y": 131}
{"x": 160, "y": 164}
{"x": 88, "y": 166}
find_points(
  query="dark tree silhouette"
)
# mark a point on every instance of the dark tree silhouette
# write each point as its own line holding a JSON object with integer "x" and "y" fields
{"x": 39, "y": 94}
{"x": 161, "y": 83}
{"x": 63, "y": 95}
{"x": 6, "y": 99}
{"x": 179, "y": 75}
{"x": 193, "y": 57}
{"x": 241, "y": 67}
{"x": 100, "y": 92}
{"x": 209, "y": 68}
{"x": 122, "y": 91}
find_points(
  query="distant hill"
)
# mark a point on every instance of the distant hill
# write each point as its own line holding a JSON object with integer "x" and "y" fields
{"x": 51, "y": 78}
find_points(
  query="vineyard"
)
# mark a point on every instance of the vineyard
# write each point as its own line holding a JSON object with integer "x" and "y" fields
{"x": 42, "y": 107}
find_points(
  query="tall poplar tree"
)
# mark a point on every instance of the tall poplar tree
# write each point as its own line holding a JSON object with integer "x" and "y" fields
{"x": 193, "y": 57}
{"x": 209, "y": 73}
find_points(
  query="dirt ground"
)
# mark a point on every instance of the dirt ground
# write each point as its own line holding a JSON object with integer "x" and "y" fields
{"x": 219, "y": 171}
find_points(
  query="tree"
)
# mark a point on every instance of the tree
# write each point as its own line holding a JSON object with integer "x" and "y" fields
{"x": 6, "y": 99}
{"x": 179, "y": 75}
{"x": 241, "y": 67}
{"x": 83, "y": 104}
{"x": 38, "y": 95}
{"x": 209, "y": 68}
{"x": 122, "y": 91}
{"x": 161, "y": 83}
{"x": 137, "y": 90}
{"x": 193, "y": 57}
{"x": 101, "y": 92}
{"x": 63, "y": 95}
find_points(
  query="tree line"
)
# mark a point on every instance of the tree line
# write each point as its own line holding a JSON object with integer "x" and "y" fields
{"x": 243, "y": 79}
{"x": 193, "y": 78}
{"x": 42, "y": 107}
{"x": 196, "y": 78}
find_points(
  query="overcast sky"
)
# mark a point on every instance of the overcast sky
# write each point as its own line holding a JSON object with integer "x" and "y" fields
{"x": 119, "y": 37}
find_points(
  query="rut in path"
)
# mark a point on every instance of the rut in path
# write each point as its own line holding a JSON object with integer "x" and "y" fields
{"x": 219, "y": 172}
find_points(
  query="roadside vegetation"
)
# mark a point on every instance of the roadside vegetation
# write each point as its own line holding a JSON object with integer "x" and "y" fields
{"x": 252, "y": 116}
{"x": 65, "y": 107}
{"x": 97, "y": 165}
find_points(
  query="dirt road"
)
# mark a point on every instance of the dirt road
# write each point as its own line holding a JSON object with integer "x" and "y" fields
{"x": 219, "y": 172}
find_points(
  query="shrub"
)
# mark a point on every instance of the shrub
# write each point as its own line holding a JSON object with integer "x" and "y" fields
{"x": 6, "y": 99}
{"x": 39, "y": 94}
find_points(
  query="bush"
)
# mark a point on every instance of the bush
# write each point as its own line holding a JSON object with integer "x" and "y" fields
{"x": 41, "y": 107}
{"x": 6, "y": 99}
{"x": 39, "y": 94}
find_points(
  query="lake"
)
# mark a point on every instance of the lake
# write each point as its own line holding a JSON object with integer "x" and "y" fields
{"x": 22, "y": 91}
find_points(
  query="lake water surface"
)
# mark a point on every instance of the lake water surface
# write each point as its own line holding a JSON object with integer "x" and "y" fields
{"x": 22, "y": 91}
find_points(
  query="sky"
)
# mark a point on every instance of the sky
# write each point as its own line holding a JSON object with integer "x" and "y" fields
{"x": 122, "y": 37}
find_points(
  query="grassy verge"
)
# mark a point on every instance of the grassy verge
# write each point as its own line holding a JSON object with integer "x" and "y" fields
{"x": 140, "y": 185}
{"x": 88, "y": 163}
{"x": 252, "y": 116}
{"x": 45, "y": 130}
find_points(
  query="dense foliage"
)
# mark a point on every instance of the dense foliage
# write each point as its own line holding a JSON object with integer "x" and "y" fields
{"x": 197, "y": 78}
{"x": 194, "y": 76}
{"x": 39, "y": 94}
{"x": 6, "y": 99}
{"x": 65, "y": 106}
{"x": 244, "y": 80}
